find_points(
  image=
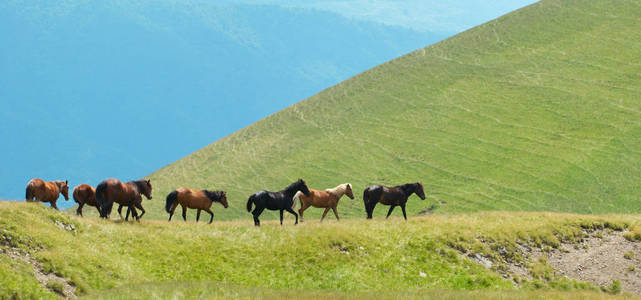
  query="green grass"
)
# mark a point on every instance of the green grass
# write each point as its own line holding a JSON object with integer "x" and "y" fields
{"x": 535, "y": 111}
{"x": 349, "y": 258}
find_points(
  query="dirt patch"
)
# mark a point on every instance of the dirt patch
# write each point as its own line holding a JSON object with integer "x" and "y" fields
{"x": 601, "y": 258}
{"x": 51, "y": 281}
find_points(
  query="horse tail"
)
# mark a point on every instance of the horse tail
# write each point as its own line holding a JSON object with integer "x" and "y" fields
{"x": 100, "y": 190}
{"x": 250, "y": 201}
{"x": 366, "y": 201}
{"x": 296, "y": 198}
{"x": 171, "y": 199}
{"x": 29, "y": 192}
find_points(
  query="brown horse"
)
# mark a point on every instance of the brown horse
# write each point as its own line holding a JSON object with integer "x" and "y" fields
{"x": 85, "y": 194}
{"x": 323, "y": 199}
{"x": 127, "y": 194}
{"x": 392, "y": 196}
{"x": 200, "y": 200}
{"x": 47, "y": 191}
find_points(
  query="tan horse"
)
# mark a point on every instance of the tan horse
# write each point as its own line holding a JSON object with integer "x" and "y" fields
{"x": 327, "y": 199}
{"x": 46, "y": 191}
{"x": 85, "y": 194}
{"x": 196, "y": 199}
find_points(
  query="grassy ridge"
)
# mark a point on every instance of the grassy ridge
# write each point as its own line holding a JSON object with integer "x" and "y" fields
{"x": 537, "y": 110}
{"x": 349, "y": 257}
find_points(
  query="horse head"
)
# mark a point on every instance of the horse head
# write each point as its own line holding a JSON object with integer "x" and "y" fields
{"x": 302, "y": 186}
{"x": 64, "y": 188}
{"x": 419, "y": 191}
{"x": 348, "y": 191}
{"x": 223, "y": 200}
{"x": 147, "y": 188}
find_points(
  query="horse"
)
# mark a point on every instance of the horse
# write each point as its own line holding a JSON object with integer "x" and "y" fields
{"x": 327, "y": 199}
{"x": 392, "y": 196}
{"x": 47, "y": 191}
{"x": 85, "y": 194}
{"x": 128, "y": 194}
{"x": 200, "y": 200}
{"x": 281, "y": 200}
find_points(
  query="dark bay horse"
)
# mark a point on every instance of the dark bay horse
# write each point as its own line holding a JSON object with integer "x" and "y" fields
{"x": 324, "y": 199}
{"x": 282, "y": 200}
{"x": 85, "y": 194}
{"x": 200, "y": 200}
{"x": 392, "y": 196}
{"x": 46, "y": 191}
{"x": 127, "y": 194}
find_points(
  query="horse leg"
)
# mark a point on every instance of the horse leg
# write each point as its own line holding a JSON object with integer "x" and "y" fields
{"x": 134, "y": 213}
{"x": 171, "y": 213}
{"x": 98, "y": 209}
{"x": 184, "y": 213}
{"x": 291, "y": 211}
{"x": 324, "y": 214}
{"x": 302, "y": 209}
{"x": 257, "y": 211}
{"x": 120, "y": 211}
{"x": 404, "y": 214}
{"x": 197, "y": 215}
{"x": 212, "y": 215}
{"x": 335, "y": 213}
{"x": 79, "y": 210}
{"x": 281, "y": 217}
{"x": 139, "y": 206}
{"x": 391, "y": 208}
{"x": 370, "y": 213}
{"x": 53, "y": 205}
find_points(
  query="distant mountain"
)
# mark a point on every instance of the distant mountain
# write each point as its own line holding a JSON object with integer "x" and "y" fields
{"x": 535, "y": 111}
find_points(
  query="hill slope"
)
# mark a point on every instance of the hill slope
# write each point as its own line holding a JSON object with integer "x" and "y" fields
{"x": 537, "y": 110}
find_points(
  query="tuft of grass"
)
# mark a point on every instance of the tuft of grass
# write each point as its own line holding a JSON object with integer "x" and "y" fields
{"x": 613, "y": 288}
{"x": 56, "y": 287}
{"x": 628, "y": 255}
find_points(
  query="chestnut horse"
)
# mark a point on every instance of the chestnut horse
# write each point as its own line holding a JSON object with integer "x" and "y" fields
{"x": 85, "y": 194}
{"x": 281, "y": 200}
{"x": 47, "y": 191}
{"x": 128, "y": 194}
{"x": 200, "y": 200}
{"x": 392, "y": 196}
{"x": 327, "y": 199}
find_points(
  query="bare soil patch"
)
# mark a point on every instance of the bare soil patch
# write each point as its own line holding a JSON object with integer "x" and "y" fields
{"x": 51, "y": 281}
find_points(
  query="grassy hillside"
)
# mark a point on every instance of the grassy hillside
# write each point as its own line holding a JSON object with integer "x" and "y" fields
{"x": 352, "y": 258}
{"x": 537, "y": 110}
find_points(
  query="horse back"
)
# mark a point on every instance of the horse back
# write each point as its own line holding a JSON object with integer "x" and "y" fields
{"x": 193, "y": 198}
{"x": 85, "y": 193}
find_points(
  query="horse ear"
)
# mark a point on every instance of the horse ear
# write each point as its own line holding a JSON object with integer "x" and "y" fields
{"x": 67, "y": 182}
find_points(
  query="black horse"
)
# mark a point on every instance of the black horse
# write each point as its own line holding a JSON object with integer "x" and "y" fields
{"x": 393, "y": 196}
{"x": 282, "y": 200}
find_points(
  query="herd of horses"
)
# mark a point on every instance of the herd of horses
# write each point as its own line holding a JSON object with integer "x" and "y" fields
{"x": 129, "y": 194}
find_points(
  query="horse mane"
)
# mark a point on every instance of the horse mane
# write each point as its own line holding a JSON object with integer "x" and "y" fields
{"x": 214, "y": 196}
{"x": 140, "y": 184}
{"x": 339, "y": 190}
{"x": 293, "y": 185}
{"x": 409, "y": 187}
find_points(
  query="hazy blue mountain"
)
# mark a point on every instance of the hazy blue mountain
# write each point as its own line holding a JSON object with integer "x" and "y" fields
{"x": 97, "y": 89}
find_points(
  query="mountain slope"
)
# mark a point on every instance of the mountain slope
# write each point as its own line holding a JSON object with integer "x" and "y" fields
{"x": 537, "y": 110}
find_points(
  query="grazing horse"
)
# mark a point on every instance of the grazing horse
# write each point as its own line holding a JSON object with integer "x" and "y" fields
{"x": 391, "y": 196}
{"x": 327, "y": 199}
{"x": 85, "y": 194}
{"x": 128, "y": 194}
{"x": 200, "y": 200}
{"x": 47, "y": 191}
{"x": 282, "y": 200}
